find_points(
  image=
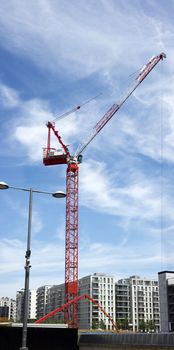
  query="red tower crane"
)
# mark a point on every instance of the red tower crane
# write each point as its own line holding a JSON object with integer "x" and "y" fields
{"x": 52, "y": 157}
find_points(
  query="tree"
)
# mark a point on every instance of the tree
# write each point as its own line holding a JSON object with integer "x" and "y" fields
{"x": 123, "y": 324}
{"x": 142, "y": 325}
{"x": 150, "y": 325}
{"x": 94, "y": 324}
{"x": 102, "y": 325}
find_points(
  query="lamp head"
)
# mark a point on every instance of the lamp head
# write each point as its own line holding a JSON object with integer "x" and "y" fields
{"x": 4, "y": 185}
{"x": 59, "y": 194}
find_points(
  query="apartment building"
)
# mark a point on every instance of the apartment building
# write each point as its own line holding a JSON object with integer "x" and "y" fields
{"x": 166, "y": 294}
{"x": 101, "y": 288}
{"x": 123, "y": 302}
{"x": 137, "y": 302}
{"x": 130, "y": 301}
{"x": 55, "y": 299}
{"x": 7, "y": 309}
{"x": 20, "y": 305}
{"x": 32, "y": 304}
{"x": 41, "y": 304}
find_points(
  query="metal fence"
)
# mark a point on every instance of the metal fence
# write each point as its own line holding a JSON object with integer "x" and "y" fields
{"x": 141, "y": 339}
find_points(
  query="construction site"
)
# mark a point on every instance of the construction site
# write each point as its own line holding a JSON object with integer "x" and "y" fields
{"x": 79, "y": 339}
{"x": 87, "y": 169}
{"x": 62, "y": 155}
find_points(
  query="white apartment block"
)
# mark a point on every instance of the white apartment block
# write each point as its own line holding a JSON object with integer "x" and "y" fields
{"x": 166, "y": 294}
{"x": 7, "y": 309}
{"x": 101, "y": 288}
{"x": 20, "y": 305}
{"x": 32, "y": 304}
{"x": 41, "y": 305}
{"x": 137, "y": 301}
{"x": 123, "y": 300}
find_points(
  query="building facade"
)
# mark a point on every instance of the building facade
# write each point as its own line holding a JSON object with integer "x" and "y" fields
{"x": 131, "y": 302}
{"x": 137, "y": 303}
{"x": 32, "y": 304}
{"x": 55, "y": 299}
{"x": 101, "y": 288}
{"x": 123, "y": 303}
{"x": 20, "y": 305}
{"x": 7, "y": 309}
{"x": 166, "y": 294}
{"x": 42, "y": 298}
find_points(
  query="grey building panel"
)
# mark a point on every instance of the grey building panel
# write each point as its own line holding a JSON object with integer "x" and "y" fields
{"x": 166, "y": 291}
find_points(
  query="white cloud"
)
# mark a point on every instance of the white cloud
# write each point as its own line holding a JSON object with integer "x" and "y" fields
{"x": 29, "y": 129}
{"x": 87, "y": 36}
{"x": 9, "y": 97}
{"x": 46, "y": 260}
{"x": 31, "y": 138}
{"x": 114, "y": 259}
{"x": 97, "y": 185}
{"x": 139, "y": 198}
{"x": 17, "y": 207}
{"x": 117, "y": 257}
{"x": 147, "y": 127}
{"x": 12, "y": 252}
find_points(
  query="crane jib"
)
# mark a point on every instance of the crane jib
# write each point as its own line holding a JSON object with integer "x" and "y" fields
{"x": 149, "y": 66}
{"x": 108, "y": 115}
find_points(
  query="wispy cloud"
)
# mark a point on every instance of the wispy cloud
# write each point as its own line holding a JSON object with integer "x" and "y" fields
{"x": 81, "y": 50}
{"x": 47, "y": 259}
{"x": 97, "y": 186}
{"x": 12, "y": 260}
{"x": 22, "y": 212}
{"x": 140, "y": 197}
{"x": 73, "y": 33}
{"x": 9, "y": 97}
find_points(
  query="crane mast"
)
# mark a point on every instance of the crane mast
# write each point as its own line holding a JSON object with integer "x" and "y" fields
{"x": 51, "y": 157}
{"x": 71, "y": 244}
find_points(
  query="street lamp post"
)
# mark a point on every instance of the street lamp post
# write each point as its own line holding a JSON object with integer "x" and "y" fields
{"x": 58, "y": 194}
{"x": 27, "y": 274}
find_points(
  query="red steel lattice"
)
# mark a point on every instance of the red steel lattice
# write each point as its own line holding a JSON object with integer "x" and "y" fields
{"x": 71, "y": 245}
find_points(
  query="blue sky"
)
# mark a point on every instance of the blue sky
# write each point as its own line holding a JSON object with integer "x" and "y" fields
{"x": 55, "y": 55}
